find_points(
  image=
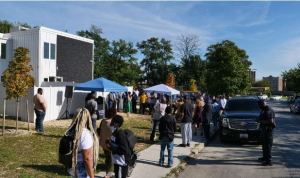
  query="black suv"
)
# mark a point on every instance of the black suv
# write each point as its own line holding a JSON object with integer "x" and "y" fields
{"x": 239, "y": 120}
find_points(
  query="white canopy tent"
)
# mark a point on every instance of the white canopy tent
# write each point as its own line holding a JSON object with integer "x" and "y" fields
{"x": 162, "y": 88}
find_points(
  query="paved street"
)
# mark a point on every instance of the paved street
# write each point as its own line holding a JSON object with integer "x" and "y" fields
{"x": 234, "y": 160}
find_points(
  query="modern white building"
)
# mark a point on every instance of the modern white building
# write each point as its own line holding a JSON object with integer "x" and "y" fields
{"x": 58, "y": 59}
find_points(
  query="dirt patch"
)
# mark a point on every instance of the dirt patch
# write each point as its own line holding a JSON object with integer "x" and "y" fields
{"x": 12, "y": 132}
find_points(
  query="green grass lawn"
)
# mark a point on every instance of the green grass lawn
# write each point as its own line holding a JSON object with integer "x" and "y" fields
{"x": 33, "y": 155}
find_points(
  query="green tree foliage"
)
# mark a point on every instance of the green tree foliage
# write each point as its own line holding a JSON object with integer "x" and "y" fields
{"x": 5, "y": 26}
{"x": 157, "y": 56}
{"x": 227, "y": 69}
{"x": 122, "y": 66}
{"x": 114, "y": 60}
{"x": 261, "y": 83}
{"x": 101, "y": 48}
{"x": 16, "y": 78}
{"x": 193, "y": 67}
{"x": 292, "y": 78}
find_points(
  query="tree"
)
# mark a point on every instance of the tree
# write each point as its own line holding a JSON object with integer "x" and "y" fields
{"x": 227, "y": 69}
{"x": 171, "y": 80}
{"x": 101, "y": 49}
{"x": 188, "y": 45}
{"x": 292, "y": 78}
{"x": 193, "y": 67}
{"x": 5, "y": 26}
{"x": 16, "y": 78}
{"x": 157, "y": 57}
{"x": 123, "y": 66}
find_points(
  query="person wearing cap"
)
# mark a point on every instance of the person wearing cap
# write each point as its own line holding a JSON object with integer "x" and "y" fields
{"x": 167, "y": 128}
{"x": 267, "y": 124}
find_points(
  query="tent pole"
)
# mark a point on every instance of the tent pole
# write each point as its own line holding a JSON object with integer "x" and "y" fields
{"x": 103, "y": 104}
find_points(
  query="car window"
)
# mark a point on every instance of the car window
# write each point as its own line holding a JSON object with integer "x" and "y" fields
{"x": 242, "y": 105}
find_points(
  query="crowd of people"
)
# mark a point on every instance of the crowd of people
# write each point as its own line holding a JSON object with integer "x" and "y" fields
{"x": 194, "y": 114}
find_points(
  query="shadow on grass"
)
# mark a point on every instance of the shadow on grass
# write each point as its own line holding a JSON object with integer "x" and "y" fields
{"x": 52, "y": 136}
{"x": 57, "y": 169}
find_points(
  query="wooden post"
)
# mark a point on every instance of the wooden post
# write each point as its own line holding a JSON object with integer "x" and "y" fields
{"x": 27, "y": 110}
{"x": 3, "y": 124}
{"x": 17, "y": 115}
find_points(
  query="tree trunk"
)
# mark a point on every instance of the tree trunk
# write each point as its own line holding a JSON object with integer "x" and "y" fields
{"x": 3, "y": 124}
{"x": 27, "y": 110}
{"x": 17, "y": 115}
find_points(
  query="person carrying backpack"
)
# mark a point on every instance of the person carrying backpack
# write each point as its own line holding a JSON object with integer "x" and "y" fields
{"x": 79, "y": 147}
{"x": 120, "y": 147}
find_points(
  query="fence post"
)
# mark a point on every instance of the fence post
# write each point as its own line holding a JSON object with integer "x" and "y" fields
{"x": 27, "y": 110}
{"x": 3, "y": 124}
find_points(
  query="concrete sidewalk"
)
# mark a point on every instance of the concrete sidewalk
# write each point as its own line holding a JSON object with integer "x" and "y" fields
{"x": 147, "y": 164}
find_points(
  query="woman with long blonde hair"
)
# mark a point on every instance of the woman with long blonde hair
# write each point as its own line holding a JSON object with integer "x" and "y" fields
{"x": 86, "y": 147}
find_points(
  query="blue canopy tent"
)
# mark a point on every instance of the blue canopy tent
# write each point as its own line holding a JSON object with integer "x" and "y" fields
{"x": 101, "y": 84}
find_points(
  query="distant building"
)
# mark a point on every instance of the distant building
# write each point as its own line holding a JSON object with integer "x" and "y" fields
{"x": 252, "y": 74}
{"x": 275, "y": 82}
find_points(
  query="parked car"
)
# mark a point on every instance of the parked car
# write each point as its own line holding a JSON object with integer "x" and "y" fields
{"x": 275, "y": 97}
{"x": 264, "y": 97}
{"x": 239, "y": 120}
{"x": 295, "y": 107}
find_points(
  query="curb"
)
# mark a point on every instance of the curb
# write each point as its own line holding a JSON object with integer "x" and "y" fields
{"x": 194, "y": 151}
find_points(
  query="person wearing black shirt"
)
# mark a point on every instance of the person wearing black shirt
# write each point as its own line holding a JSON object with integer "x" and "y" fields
{"x": 167, "y": 128}
{"x": 186, "y": 122}
{"x": 119, "y": 147}
{"x": 206, "y": 119}
{"x": 267, "y": 124}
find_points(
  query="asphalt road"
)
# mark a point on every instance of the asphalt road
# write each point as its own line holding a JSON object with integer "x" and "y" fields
{"x": 220, "y": 160}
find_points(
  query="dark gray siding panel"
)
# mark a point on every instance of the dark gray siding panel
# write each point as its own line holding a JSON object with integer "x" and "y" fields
{"x": 74, "y": 59}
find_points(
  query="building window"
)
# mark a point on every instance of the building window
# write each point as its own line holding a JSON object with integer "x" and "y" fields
{"x": 3, "y": 51}
{"x": 46, "y": 50}
{"x": 52, "y": 53}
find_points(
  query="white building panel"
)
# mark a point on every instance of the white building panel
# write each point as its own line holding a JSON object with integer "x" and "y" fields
{"x": 30, "y": 40}
{"x": 47, "y": 65}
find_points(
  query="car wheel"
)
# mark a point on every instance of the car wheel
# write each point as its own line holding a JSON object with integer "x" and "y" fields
{"x": 222, "y": 139}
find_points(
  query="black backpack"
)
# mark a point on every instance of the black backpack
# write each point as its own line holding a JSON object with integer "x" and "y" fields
{"x": 131, "y": 139}
{"x": 65, "y": 151}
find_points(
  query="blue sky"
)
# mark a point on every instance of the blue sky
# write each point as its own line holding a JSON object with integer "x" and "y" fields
{"x": 268, "y": 31}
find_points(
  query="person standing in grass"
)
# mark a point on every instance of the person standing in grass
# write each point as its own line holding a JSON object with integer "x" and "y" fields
{"x": 143, "y": 102}
{"x": 40, "y": 110}
{"x": 86, "y": 147}
{"x": 104, "y": 132}
{"x": 167, "y": 128}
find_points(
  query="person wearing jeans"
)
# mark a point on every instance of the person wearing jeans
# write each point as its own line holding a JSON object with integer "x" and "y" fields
{"x": 159, "y": 111}
{"x": 40, "y": 110}
{"x": 167, "y": 128}
{"x": 40, "y": 115}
